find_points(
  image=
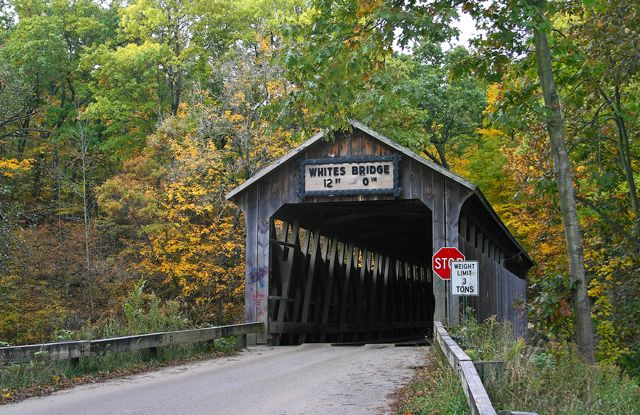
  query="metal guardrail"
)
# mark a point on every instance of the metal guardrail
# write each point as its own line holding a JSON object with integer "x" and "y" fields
{"x": 151, "y": 341}
{"x": 477, "y": 396}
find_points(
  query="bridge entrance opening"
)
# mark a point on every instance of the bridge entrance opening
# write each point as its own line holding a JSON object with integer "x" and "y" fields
{"x": 354, "y": 271}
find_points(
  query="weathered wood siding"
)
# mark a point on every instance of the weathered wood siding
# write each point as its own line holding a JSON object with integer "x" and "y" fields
{"x": 502, "y": 293}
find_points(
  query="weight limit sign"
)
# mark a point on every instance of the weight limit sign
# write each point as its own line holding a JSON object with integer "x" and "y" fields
{"x": 464, "y": 278}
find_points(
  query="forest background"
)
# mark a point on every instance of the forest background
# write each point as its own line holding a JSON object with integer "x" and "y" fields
{"x": 124, "y": 123}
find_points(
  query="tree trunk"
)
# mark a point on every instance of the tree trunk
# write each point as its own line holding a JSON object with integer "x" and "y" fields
{"x": 624, "y": 152}
{"x": 564, "y": 181}
{"x": 625, "y": 155}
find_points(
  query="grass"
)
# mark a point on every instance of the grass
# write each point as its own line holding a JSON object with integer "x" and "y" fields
{"x": 43, "y": 376}
{"x": 434, "y": 390}
{"x": 547, "y": 378}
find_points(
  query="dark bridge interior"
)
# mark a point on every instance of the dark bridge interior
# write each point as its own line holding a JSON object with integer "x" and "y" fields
{"x": 350, "y": 272}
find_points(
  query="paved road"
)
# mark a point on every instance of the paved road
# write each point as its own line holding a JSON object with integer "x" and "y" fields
{"x": 307, "y": 379}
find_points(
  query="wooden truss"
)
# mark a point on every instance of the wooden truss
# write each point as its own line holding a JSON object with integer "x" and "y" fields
{"x": 323, "y": 289}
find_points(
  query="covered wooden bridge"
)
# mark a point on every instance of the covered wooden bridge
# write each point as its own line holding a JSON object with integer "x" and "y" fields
{"x": 340, "y": 236}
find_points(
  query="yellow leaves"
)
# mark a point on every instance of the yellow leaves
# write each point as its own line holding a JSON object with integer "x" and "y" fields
{"x": 239, "y": 97}
{"x": 495, "y": 94}
{"x": 10, "y": 167}
{"x": 366, "y": 7}
{"x": 595, "y": 289}
{"x": 234, "y": 117}
{"x": 490, "y": 133}
{"x": 182, "y": 109}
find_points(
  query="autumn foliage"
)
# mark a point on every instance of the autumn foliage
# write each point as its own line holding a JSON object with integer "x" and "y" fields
{"x": 122, "y": 128}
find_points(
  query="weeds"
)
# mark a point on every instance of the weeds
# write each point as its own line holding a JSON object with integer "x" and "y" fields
{"x": 546, "y": 378}
{"x": 434, "y": 390}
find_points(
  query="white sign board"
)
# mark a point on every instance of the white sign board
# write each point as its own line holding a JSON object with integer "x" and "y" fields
{"x": 347, "y": 176}
{"x": 464, "y": 278}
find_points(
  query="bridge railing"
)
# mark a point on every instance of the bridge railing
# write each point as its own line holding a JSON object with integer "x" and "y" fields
{"x": 477, "y": 397}
{"x": 152, "y": 341}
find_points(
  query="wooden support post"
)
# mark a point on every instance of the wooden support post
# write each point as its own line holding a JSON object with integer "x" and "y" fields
{"x": 346, "y": 284}
{"x": 286, "y": 277}
{"x": 308, "y": 288}
{"x": 393, "y": 291}
{"x": 452, "y": 208}
{"x": 328, "y": 288}
{"x": 385, "y": 289}
{"x": 251, "y": 272}
{"x": 360, "y": 310}
{"x": 402, "y": 279}
{"x": 439, "y": 241}
{"x": 373, "y": 288}
{"x": 300, "y": 280}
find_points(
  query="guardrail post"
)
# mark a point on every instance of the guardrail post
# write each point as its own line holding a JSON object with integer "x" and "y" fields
{"x": 241, "y": 341}
{"x": 490, "y": 370}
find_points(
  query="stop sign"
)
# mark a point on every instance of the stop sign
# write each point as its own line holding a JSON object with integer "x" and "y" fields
{"x": 441, "y": 261}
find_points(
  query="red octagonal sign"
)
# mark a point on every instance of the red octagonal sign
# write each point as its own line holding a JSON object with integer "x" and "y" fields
{"x": 441, "y": 261}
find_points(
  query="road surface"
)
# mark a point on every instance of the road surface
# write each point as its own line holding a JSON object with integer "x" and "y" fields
{"x": 307, "y": 379}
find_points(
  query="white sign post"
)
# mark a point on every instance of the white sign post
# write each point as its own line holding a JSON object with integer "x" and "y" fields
{"x": 464, "y": 278}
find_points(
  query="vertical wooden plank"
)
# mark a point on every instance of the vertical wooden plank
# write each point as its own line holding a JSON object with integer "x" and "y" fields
{"x": 343, "y": 147}
{"x": 360, "y": 307}
{"x": 333, "y": 257}
{"x": 424, "y": 295}
{"x": 405, "y": 178}
{"x": 278, "y": 256}
{"x": 346, "y": 284}
{"x": 418, "y": 293}
{"x": 367, "y": 145}
{"x": 286, "y": 277}
{"x": 418, "y": 296}
{"x": 334, "y": 312}
{"x": 411, "y": 286}
{"x": 386, "y": 283}
{"x": 439, "y": 287}
{"x": 393, "y": 291}
{"x": 300, "y": 278}
{"x": 472, "y": 235}
{"x": 411, "y": 191}
{"x": 311, "y": 271}
{"x": 318, "y": 295}
{"x": 400, "y": 284}
{"x": 263, "y": 243}
{"x": 427, "y": 187}
{"x": 373, "y": 288}
{"x": 452, "y": 238}
{"x": 251, "y": 273}
{"x": 463, "y": 228}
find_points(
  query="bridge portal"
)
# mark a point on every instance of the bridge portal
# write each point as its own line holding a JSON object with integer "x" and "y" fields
{"x": 339, "y": 239}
